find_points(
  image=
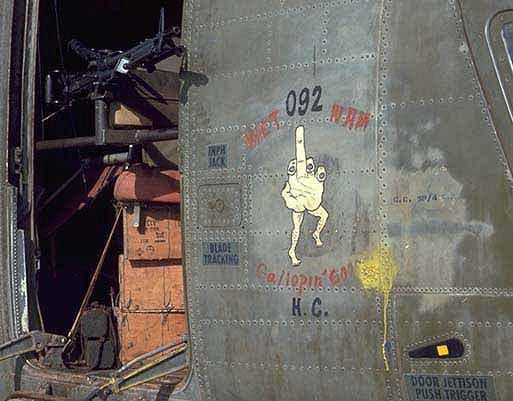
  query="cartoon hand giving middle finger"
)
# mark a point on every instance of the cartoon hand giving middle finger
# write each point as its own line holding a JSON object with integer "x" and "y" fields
{"x": 303, "y": 191}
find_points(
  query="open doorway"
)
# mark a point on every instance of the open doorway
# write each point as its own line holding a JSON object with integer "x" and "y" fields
{"x": 101, "y": 209}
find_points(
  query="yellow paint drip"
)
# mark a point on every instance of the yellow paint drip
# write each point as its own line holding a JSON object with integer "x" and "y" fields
{"x": 376, "y": 271}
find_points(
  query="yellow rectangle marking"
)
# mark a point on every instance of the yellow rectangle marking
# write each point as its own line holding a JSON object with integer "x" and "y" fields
{"x": 442, "y": 350}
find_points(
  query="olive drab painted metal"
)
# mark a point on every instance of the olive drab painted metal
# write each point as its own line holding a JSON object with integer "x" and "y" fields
{"x": 386, "y": 123}
{"x": 12, "y": 291}
{"x": 346, "y": 202}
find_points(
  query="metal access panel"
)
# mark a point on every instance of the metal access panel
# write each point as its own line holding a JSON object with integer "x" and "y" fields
{"x": 341, "y": 172}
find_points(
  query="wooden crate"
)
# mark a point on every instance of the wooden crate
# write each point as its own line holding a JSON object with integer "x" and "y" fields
{"x": 150, "y": 285}
{"x": 142, "y": 332}
{"x": 157, "y": 236}
{"x": 151, "y": 305}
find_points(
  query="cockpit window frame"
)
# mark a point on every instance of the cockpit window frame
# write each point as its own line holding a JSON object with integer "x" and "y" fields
{"x": 500, "y": 52}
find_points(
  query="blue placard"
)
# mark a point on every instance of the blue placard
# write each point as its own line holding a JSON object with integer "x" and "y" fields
{"x": 220, "y": 253}
{"x": 424, "y": 387}
{"x": 217, "y": 156}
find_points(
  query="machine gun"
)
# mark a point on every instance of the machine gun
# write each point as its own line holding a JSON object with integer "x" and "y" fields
{"x": 107, "y": 69}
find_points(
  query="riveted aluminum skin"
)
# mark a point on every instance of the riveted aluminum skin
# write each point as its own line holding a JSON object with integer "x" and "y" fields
{"x": 413, "y": 242}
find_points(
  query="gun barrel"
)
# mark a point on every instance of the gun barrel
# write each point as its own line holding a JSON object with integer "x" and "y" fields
{"x": 82, "y": 50}
{"x": 300, "y": 151}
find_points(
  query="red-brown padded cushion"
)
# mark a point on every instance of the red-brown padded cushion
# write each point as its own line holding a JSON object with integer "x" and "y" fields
{"x": 148, "y": 184}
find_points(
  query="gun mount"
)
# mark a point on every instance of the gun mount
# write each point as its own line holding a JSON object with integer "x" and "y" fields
{"x": 106, "y": 71}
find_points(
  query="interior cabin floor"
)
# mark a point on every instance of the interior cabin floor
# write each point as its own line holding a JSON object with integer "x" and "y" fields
{"x": 172, "y": 379}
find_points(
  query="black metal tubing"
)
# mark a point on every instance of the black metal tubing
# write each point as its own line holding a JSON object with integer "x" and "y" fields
{"x": 111, "y": 137}
{"x": 77, "y": 142}
{"x": 134, "y": 137}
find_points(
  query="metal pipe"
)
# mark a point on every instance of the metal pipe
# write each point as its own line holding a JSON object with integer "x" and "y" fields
{"x": 151, "y": 353}
{"x": 111, "y": 159}
{"x": 64, "y": 143}
{"x": 61, "y": 188}
{"x": 112, "y": 137}
{"x": 116, "y": 158}
{"x": 120, "y": 137}
{"x": 101, "y": 117}
{"x": 96, "y": 274}
{"x": 142, "y": 136}
{"x": 49, "y": 89}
